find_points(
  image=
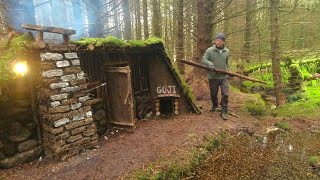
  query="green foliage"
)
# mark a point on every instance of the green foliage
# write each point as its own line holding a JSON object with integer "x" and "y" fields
{"x": 256, "y": 106}
{"x": 283, "y": 125}
{"x": 187, "y": 90}
{"x": 308, "y": 106}
{"x": 314, "y": 160}
{"x": 296, "y": 96}
{"x": 111, "y": 41}
{"x": 181, "y": 170}
{"x": 10, "y": 53}
{"x": 248, "y": 84}
{"x": 153, "y": 40}
{"x": 137, "y": 43}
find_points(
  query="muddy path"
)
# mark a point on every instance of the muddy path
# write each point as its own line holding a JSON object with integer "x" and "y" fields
{"x": 130, "y": 149}
{"x": 154, "y": 141}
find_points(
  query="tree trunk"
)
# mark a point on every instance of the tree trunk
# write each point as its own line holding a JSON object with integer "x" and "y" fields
{"x": 276, "y": 71}
{"x": 156, "y": 19}
{"x": 127, "y": 20}
{"x": 204, "y": 27}
{"x": 115, "y": 17}
{"x": 145, "y": 19}
{"x": 248, "y": 30}
{"x": 180, "y": 37}
{"x": 188, "y": 45}
{"x": 3, "y": 19}
{"x": 138, "y": 20}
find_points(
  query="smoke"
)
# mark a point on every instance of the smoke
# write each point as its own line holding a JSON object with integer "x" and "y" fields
{"x": 68, "y": 14}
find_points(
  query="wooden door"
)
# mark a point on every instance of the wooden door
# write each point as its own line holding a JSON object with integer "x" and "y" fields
{"x": 119, "y": 95}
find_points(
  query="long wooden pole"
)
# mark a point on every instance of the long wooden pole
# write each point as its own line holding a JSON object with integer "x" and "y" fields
{"x": 221, "y": 71}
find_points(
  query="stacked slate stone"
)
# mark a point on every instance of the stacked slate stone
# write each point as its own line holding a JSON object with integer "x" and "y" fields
{"x": 66, "y": 115}
{"x": 19, "y": 141}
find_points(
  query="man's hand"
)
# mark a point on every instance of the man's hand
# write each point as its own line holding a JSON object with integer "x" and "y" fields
{"x": 211, "y": 67}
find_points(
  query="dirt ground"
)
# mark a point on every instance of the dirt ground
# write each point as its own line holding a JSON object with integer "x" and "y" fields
{"x": 155, "y": 141}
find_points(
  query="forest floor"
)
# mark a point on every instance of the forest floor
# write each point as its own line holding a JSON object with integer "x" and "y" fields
{"x": 158, "y": 141}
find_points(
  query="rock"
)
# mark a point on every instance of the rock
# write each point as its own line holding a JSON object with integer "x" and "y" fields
{"x": 52, "y": 73}
{"x": 149, "y": 115}
{"x": 84, "y": 98}
{"x": 55, "y": 104}
{"x": 74, "y": 138}
{"x": 79, "y": 123}
{"x": 59, "y": 97}
{"x": 99, "y": 115}
{"x": 76, "y": 106}
{"x": 68, "y": 77}
{"x": 62, "y": 64}
{"x": 9, "y": 149}
{"x": 2, "y": 156}
{"x": 20, "y": 158}
{"x": 78, "y": 117}
{"x": 23, "y": 103}
{"x": 59, "y": 109}
{"x": 81, "y": 75}
{"x": 59, "y": 85}
{"x": 50, "y": 56}
{"x": 75, "y": 62}
{"x": 27, "y": 145}
{"x": 73, "y": 70}
{"x": 18, "y": 133}
{"x": 70, "y": 89}
{"x": 71, "y": 55}
{"x": 61, "y": 122}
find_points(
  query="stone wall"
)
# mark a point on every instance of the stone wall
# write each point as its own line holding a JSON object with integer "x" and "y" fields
{"x": 66, "y": 115}
{"x": 19, "y": 140}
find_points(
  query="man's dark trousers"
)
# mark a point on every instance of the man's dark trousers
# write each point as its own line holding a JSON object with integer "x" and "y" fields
{"x": 214, "y": 85}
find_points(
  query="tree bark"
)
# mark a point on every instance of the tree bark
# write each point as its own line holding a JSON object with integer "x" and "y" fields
{"x": 204, "y": 27}
{"x": 138, "y": 20}
{"x": 127, "y": 19}
{"x": 275, "y": 53}
{"x": 156, "y": 19}
{"x": 248, "y": 30}
{"x": 180, "y": 37}
{"x": 145, "y": 19}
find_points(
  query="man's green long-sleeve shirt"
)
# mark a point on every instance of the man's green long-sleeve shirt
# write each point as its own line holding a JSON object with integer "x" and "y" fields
{"x": 219, "y": 58}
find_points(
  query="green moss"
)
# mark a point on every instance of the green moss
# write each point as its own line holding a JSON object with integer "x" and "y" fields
{"x": 256, "y": 106}
{"x": 137, "y": 43}
{"x": 111, "y": 41}
{"x": 184, "y": 169}
{"x": 17, "y": 47}
{"x": 248, "y": 84}
{"x": 187, "y": 90}
{"x": 314, "y": 160}
{"x": 153, "y": 40}
{"x": 283, "y": 125}
{"x": 305, "y": 107}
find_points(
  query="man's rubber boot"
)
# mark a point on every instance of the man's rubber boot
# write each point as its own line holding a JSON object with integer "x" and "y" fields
{"x": 224, "y": 116}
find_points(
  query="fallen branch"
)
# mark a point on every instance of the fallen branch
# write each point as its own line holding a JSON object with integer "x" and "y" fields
{"x": 221, "y": 71}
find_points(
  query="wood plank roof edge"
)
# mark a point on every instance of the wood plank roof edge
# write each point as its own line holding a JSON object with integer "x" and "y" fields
{"x": 48, "y": 29}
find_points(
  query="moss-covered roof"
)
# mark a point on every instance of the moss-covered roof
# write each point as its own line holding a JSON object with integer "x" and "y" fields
{"x": 111, "y": 41}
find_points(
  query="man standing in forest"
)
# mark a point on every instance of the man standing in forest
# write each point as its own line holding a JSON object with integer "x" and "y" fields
{"x": 217, "y": 57}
